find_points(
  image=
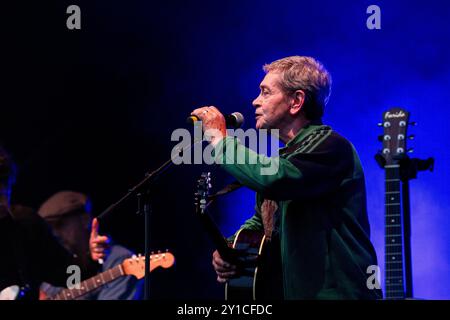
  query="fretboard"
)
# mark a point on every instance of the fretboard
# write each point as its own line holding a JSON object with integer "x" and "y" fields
{"x": 394, "y": 272}
{"x": 90, "y": 284}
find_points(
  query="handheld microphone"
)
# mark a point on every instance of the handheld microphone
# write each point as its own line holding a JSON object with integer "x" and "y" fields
{"x": 234, "y": 120}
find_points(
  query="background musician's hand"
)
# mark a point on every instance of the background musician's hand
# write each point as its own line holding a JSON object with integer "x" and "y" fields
{"x": 99, "y": 246}
{"x": 224, "y": 270}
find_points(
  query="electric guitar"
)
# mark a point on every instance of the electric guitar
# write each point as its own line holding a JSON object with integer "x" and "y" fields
{"x": 134, "y": 266}
{"x": 246, "y": 252}
{"x": 395, "y": 124}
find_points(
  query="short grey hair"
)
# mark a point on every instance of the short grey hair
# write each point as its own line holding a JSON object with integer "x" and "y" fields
{"x": 307, "y": 74}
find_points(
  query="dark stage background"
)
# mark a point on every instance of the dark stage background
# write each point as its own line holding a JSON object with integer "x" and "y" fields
{"x": 93, "y": 109}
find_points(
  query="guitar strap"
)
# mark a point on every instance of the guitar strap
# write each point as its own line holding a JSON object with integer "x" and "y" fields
{"x": 225, "y": 190}
{"x": 268, "y": 208}
{"x": 268, "y": 212}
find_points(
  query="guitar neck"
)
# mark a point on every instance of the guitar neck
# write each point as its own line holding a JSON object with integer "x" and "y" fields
{"x": 90, "y": 284}
{"x": 216, "y": 236}
{"x": 394, "y": 270}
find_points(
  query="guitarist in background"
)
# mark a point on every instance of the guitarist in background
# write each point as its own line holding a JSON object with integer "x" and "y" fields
{"x": 29, "y": 254}
{"x": 313, "y": 208}
{"x": 68, "y": 213}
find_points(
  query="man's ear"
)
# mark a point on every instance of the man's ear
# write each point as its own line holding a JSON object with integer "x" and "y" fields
{"x": 298, "y": 99}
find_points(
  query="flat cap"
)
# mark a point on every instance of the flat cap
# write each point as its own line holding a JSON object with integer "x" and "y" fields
{"x": 63, "y": 203}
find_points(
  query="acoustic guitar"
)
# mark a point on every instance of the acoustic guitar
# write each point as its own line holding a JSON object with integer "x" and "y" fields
{"x": 247, "y": 251}
{"x": 397, "y": 278}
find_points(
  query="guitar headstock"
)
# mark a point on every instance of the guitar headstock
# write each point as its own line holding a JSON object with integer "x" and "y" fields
{"x": 136, "y": 265}
{"x": 202, "y": 192}
{"x": 395, "y": 124}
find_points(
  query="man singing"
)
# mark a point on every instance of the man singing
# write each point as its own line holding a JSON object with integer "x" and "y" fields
{"x": 313, "y": 208}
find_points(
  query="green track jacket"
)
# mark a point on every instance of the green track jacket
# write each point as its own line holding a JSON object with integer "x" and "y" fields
{"x": 323, "y": 228}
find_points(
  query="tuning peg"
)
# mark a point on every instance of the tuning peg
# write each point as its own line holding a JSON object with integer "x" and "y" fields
{"x": 413, "y": 123}
{"x": 410, "y": 150}
{"x": 411, "y": 137}
{"x": 380, "y": 159}
{"x": 385, "y": 137}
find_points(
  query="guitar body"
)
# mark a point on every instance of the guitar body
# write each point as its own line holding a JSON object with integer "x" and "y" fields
{"x": 251, "y": 249}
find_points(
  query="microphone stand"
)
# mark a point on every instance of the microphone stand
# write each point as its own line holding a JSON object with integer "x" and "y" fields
{"x": 142, "y": 192}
